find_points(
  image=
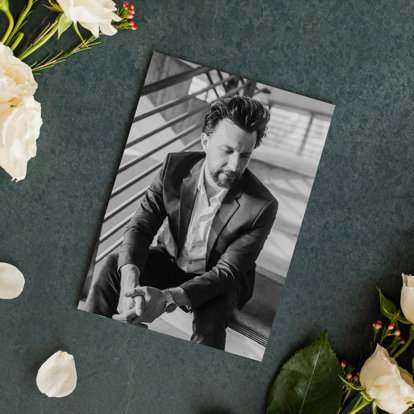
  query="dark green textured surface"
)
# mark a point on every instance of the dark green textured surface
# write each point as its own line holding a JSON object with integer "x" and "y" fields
{"x": 358, "y": 229}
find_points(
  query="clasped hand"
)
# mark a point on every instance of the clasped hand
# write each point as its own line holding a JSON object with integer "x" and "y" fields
{"x": 147, "y": 304}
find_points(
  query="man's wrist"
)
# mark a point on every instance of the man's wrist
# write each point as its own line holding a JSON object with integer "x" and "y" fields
{"x": 180, "y": 297}
{"x": 129, "y": 266}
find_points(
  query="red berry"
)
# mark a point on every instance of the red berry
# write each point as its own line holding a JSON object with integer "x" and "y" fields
{"x": 397, "y": 332}
{"x": 132, "y": 7}
{"x": 134, "y": 27}
{"x": 130, "y": 16}
{"x": 343, "y": 364}
{"x": 349, "y": 376}
{"x": 403, "y": 341}
{"x": 131, "y": 23}
{"x": 126, "y": 4}
{"x": 356, "y": 378}
{"x": 391, "y": 326}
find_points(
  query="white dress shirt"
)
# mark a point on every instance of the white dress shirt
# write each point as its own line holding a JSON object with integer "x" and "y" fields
{"x": 192, "y": 258}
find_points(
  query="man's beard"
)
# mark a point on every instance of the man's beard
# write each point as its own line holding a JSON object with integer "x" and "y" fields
{"x": 225, "y": 178}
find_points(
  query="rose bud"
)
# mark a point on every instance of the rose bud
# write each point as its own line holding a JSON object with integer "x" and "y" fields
{"x": 11, "y": 281}
{"x": 343, "y": 364}
{"x": 391, "y": 386}
{"x": 407, "y": 297}
{"x": 57, "y": 375}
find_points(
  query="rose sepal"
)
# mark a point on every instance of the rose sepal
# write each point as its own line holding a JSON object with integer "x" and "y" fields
{"x": 387, "y": 307}
{"x": 54, "y": 7}
{"x": 4, "y": 6}
{"x": 63, "y": 24}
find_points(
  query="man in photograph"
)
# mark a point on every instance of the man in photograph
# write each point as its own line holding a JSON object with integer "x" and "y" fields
{"x": 216, "y": 215}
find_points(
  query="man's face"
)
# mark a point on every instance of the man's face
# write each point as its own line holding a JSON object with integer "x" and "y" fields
{"x": 228, "y": 150}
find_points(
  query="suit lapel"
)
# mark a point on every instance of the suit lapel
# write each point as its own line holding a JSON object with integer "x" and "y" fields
{"x": 227, "y": 209}
{"x": 187, "y": 199}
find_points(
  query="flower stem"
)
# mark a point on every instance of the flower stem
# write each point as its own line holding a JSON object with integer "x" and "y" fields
{"x": 17, "y": 41}
{"x": 359, "y": 405}
{"x": 406, "y": 345}
{"x": 19, "y": 22}
{"x": 10, "y": 28}
{"x": 52, "y": 30}
{"x": 61, "y": 57}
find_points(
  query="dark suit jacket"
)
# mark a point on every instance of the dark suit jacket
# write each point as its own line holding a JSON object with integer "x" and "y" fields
{"x": 237, "y": 234}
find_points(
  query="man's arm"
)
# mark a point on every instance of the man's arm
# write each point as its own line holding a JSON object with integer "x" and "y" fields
{"x": 144, "y": 225}
{"x": 235, "y": 262}
{"x": 129, "y": 280}
{"x": 137, "y": 238}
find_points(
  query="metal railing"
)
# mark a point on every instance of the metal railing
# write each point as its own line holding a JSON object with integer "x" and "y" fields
{"x": 231, "y": 85}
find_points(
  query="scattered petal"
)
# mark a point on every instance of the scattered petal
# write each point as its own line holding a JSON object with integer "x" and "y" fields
{"x": 11, "y": 281}
{"x": 57, "y": 376}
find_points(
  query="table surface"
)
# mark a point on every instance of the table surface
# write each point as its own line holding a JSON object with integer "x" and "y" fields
{"x": 357, "y": 232}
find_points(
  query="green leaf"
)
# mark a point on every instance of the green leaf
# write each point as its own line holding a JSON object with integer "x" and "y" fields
{"x": 387, "y": 308}
{"x": 308, "y": 383}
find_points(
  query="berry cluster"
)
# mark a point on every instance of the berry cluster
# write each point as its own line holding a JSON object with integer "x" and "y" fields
{"x": 130, "y": 8}
{"x": 347, "y": 370}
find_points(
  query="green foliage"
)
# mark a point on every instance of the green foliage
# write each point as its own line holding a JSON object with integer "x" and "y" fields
{"x": 308, "y": 383}
{"x": 64, "y": 24}
{"x": 4, "y": 5}
{"x": 387, "y": 308}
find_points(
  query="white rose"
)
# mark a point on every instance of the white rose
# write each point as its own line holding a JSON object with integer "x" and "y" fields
{"x": 16, "y": 78}
{"x": 19, "y": 130}
{"x": 407, "y": 297}
{"x": 93, "y": 15}
{"x": 391, "y": 386}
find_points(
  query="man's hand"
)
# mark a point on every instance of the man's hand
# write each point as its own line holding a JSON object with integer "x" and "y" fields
{"x": 154, "y": 305}
{"x": 129, "y": 280}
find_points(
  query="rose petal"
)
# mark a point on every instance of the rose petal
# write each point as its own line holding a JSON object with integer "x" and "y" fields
{"x": 11, "y": 281}
{"x": 57, "y": 376}
{"x": 391, "y": 386}
{"x": 407, "y": 297}
{"x": 93, "y": 15}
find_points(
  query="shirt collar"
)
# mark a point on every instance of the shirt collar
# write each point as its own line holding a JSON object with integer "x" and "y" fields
{"x": 219, "y": 197}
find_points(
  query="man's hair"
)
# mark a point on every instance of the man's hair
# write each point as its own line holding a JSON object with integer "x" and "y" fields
{"x": 247, "y": 113}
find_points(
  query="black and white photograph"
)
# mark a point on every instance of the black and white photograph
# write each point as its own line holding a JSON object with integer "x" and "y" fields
{"x": 206, "y": 208}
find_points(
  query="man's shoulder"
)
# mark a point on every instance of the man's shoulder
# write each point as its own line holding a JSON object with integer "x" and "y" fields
{"x": 183, "y": 160}
{"x": 255, "y": 189}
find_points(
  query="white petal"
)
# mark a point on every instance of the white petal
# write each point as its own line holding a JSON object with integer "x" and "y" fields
{"x": 57, "y": 376}
{"x": 407, "y": 297}
{"x": 11, "y": 281}
{"x": 391, "y": 386}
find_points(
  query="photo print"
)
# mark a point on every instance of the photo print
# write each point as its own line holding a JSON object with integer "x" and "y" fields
{"x": 206, "y": 208}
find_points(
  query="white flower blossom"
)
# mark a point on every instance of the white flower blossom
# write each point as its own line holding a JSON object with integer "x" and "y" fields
{"x": 391, "y": 386}
{"x": 19, "y": 129}
{"x": 407, "y": 297}
{"x": 94, "y": 15}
